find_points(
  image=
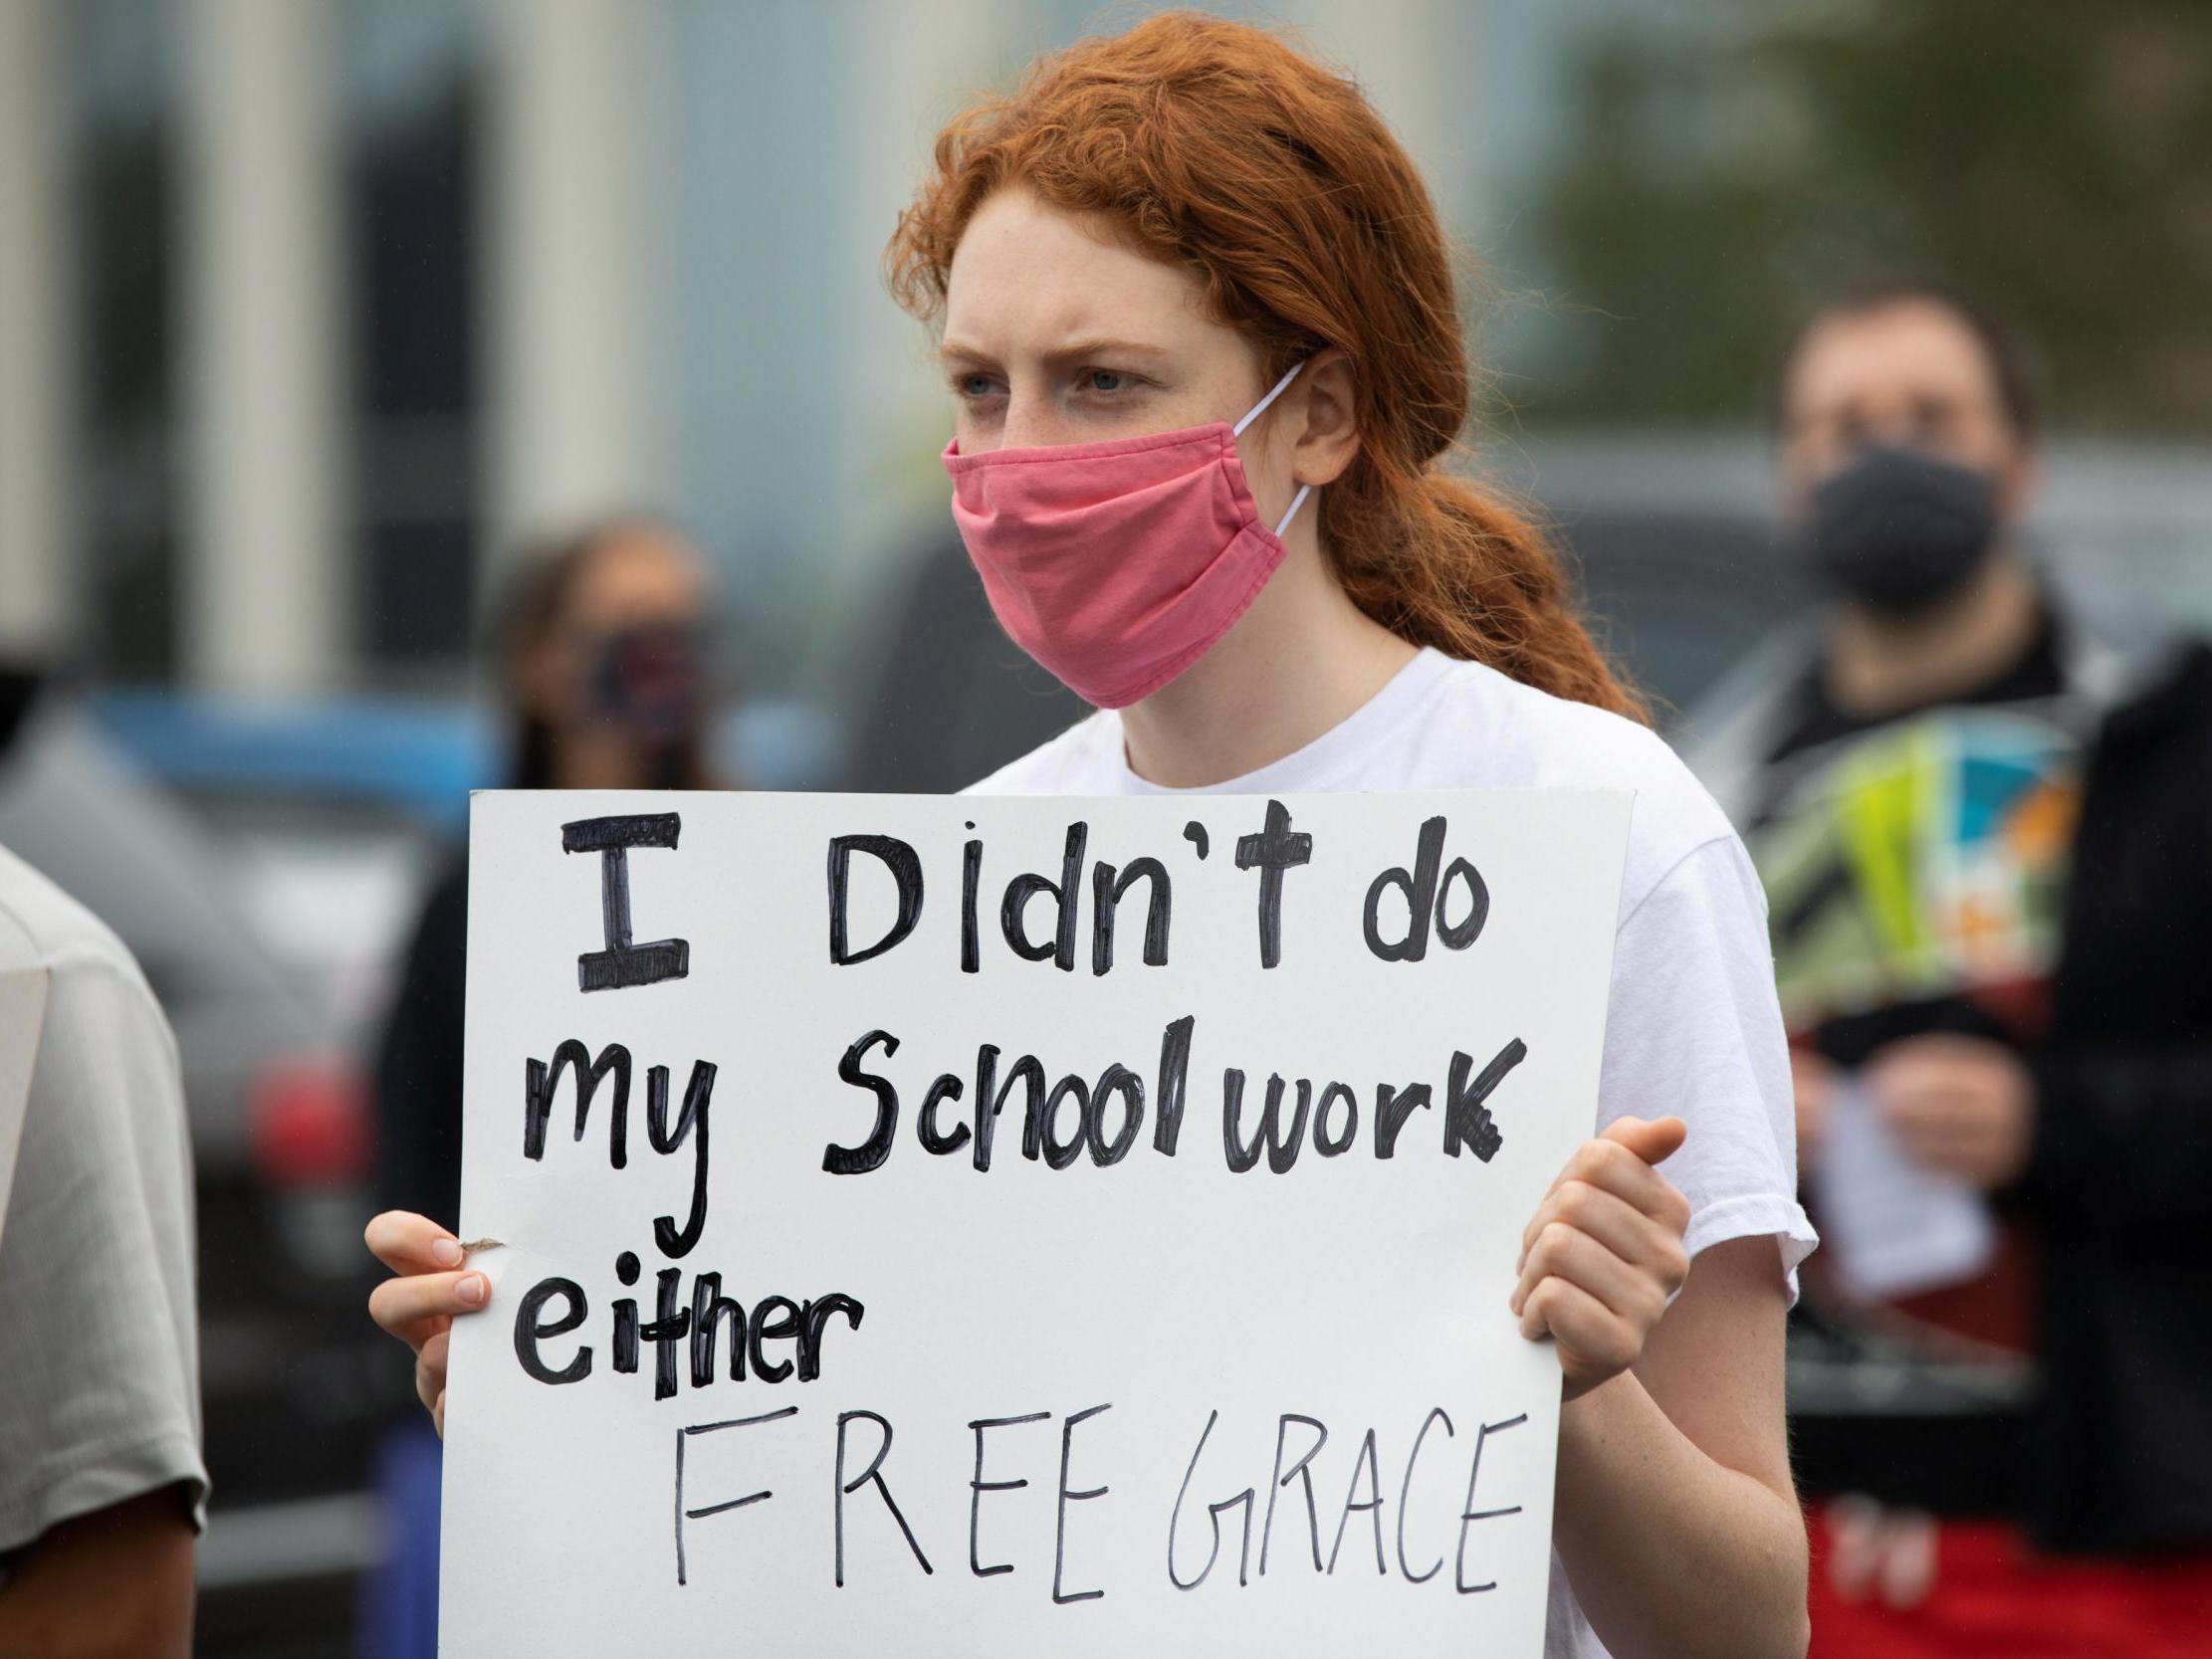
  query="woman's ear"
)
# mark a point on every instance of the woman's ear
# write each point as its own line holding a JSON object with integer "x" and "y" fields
{"x": 1327, "y": 434}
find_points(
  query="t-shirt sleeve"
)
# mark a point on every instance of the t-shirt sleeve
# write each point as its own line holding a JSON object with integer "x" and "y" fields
{"x": 101, "y": 1400}
{"x": 1693, "y": 1030}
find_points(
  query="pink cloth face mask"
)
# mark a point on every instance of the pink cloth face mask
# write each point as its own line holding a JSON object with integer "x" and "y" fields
{"x": 1116, "y": 565}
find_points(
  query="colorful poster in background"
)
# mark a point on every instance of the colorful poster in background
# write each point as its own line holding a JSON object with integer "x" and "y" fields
{"x": 1015, "y": 1226}
{"x": 1915, "y": 877}
{"x": 1924, "y": 860}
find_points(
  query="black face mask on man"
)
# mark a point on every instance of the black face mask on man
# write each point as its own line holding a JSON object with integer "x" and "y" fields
{"x": 1898, "y": 530}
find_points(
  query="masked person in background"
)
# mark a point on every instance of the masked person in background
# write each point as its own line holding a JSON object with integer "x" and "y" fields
{"x": 601, "y": 646}
{"x": 1986, "y": 840}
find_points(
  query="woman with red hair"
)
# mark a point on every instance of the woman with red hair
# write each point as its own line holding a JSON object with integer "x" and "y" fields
{"x": 1198, "y": 321}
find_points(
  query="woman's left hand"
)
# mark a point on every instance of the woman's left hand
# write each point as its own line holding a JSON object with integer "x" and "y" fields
{"x": 1604, "y": 1253}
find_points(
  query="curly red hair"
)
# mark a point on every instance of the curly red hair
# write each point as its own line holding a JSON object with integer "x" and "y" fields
{"x": 1220, "y": 148}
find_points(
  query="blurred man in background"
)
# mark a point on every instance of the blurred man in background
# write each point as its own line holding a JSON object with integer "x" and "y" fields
{"x": 602, "y": 650}
{"x": 102, "y": 1484}
{"x": 1984, "y": 837}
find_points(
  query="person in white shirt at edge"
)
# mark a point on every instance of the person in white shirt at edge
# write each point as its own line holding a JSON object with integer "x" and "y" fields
{"x": 1156, "y": 233}
{"x": 103, "y": 1488}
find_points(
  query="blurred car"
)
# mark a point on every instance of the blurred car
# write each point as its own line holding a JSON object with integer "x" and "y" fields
{"x": 951, "y": 698}
{"x": 1685, "y": 574}
{"x": 268, "y": 986}
{"x": 267, "y": 861}
{"x": 1671, "y": 540}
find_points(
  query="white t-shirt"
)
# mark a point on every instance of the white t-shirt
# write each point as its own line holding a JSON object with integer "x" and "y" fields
{"x": 100, "y": 1397}
{"x": 1693, "y": 1028}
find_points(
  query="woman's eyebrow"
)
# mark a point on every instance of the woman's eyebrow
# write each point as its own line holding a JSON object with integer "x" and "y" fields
{"x": 1104, "y": 345}
{"x": 954, "y": 351}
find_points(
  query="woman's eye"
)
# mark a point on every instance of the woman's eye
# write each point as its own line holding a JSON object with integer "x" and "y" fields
{"x": 974, "y": 385}
{"x": 1104, "y": 380}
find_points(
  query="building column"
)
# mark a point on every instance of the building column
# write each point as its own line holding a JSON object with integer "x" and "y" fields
{"x": 907, "y": 71}
{"x": 37, "y": 383}
{"x": 1411, "y": 57}
{"x": 268, "y": 559}
{"x": 579, "y": 293}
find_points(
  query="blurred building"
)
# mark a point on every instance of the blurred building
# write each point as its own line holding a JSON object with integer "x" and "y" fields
{"x": 307, "y": 306}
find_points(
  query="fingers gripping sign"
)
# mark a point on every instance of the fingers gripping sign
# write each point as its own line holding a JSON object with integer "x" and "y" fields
{"x": 430, "y": 1285}
{"x": 1603, "y": 1255}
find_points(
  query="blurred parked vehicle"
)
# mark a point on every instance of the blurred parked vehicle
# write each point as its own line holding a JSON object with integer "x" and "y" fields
{"x": 259, "y": 889}
{"x": 1677, "y": 553}
{"x": 1688, "y": 573}
{"x": 265, "y": 862}
{"x": 951, "y": 697}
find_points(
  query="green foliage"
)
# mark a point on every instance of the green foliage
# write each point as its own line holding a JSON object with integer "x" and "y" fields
{"x": 2054, "y": 158}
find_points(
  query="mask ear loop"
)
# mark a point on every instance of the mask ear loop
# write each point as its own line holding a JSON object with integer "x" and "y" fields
{"x": 1258, "y": 409}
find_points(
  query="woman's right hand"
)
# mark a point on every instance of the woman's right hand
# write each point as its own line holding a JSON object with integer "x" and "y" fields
{"x": 432, "y": 1283}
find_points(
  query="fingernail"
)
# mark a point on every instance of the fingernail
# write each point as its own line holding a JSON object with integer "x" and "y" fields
{"x": 446, "y": 1252}
{"x": 471, "y": 1290}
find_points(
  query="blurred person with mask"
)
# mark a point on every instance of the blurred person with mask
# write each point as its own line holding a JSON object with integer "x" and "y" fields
{"x": 601, "y": 645}
{"x": 103, "y": 1485}
{"x": 1986, "y": 839}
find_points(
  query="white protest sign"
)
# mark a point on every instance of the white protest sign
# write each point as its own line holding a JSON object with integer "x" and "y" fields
{"x": 1015, "y": 1226}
